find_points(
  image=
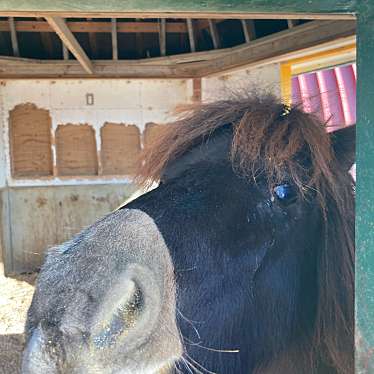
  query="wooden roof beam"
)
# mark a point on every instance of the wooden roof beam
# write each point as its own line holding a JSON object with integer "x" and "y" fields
{"x": 311, "y": 36}
{"x": 58, "y": 24}
{"x": 249, "y": 30}
{"x": 91, "y": 40}
{"x": 46, "y": 41}
{"x": 214, "y": 33}
{"x": 281, "y": 43}
{"x": 13, "y": 67}
{"x": 162, "y": 37}
{"x": 191, "y": 35}
{"x": 101, "y": 26}
{"x": 13, "y": 37}
{"x": 114, "y": 40}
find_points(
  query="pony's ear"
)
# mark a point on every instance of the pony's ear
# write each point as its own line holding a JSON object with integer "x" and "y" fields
{"x": 343, "y": 142}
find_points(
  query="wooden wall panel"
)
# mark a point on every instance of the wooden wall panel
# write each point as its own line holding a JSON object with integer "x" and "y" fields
{"x": 152, "y": 132}
{"x": 76, "y": 150}
{"x": 120, "y": 148}
{"x": 30, "y": 141}
{"x": 35, "y": 218}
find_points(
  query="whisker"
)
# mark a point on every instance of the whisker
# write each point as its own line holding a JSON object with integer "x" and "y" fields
{"x": 190, "y": 322}
{"x": 186, "y": 364}
{"x": 198, "y": 365}
{"x": 220, "y": 350}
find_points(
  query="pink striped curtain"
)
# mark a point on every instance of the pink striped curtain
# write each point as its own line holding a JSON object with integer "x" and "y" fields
{"x": 330, "y": 93}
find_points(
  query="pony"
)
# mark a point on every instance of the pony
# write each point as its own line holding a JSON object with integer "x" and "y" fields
{"x": 240, "y": 261}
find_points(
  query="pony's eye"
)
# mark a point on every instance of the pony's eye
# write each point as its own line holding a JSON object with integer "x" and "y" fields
{"x": 285, "y": 193}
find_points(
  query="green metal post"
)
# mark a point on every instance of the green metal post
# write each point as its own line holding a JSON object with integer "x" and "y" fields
{"x": 365, "y": 191}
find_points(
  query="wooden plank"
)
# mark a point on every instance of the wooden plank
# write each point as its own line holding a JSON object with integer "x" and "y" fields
{"x": 46, "y": 42}
{"x": 114, "y": 39}
{"x": 91, "y": 40}
{"x": 139, "y": 42}
{"x": 103, "y": 69}
{"x": 59, "y": 25}
{"x": 249, "y": 30}
{"x": 196, "y": 90}
{"x": 162, "y": 37}
{"x": 191, "y": 35}
{"x": 304, "y": 36}
{"x": 186, "y": 8}
{"x": 95, "y": 27}
{"x": 214, "y": 33}
{"x": 13, "y": 37}
{"x": 65, "y": 51}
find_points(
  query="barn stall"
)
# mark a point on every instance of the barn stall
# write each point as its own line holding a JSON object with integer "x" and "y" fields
{"x": 345, "y": 11}
{"x": 73, "y": 123}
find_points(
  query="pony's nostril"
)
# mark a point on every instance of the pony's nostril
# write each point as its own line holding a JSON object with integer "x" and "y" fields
{"x": 123, "y": 318}
{"x": 130, "y": 312}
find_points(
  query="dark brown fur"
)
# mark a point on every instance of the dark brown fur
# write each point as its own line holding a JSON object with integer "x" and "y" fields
{"x": 272, "y": 140}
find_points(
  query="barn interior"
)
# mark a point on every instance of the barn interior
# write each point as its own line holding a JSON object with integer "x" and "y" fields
{"x": 81, "y": 97}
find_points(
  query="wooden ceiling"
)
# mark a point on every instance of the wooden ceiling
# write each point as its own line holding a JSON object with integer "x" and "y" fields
{"x": 118, "y": 47}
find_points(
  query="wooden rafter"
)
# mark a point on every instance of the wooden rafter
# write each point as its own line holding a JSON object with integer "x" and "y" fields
{"x": 214, "y": 33}
{"x": 65, "y": 51}
{"x": 162, "y": 37}
{"x": 91, "y": 39}
{"x": 114, "y": 40}
{"x": 282, "y": 43}
{"x": 95, "y": 27}
{"x": 276, "y": 47}
{"x": 67, "y": 37}
{"x": 249, "y": 30}
{"x": 46, "y": 41}
{"x": 139, "y": 42}
{"x": 191, "y": 34}
{"x": 13, "y": 36}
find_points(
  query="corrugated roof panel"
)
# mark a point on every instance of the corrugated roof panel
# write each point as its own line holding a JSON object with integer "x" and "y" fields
{"x": 331, "y": 93}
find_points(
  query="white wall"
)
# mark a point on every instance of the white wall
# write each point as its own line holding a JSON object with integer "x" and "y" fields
{"x": 135, "y": 101}
{"x": 115, "y": 100}
{"x": 264, "y": 78}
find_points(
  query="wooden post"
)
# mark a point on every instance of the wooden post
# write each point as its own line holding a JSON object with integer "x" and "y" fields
{"x": 292, "y": 23}
{"x": 114, "y": 40}
{"x": 92, "y": 42}
{"x": 139, "y": 40}
{"x": 13, "y": 37}
{"x": 65, "y": 52}
{"x": 46, "y": 40}
{"x": 196, "y": 88}
{"x": 58, "y": 24}
{"x": 214, "y": 33}
{"x": 249, "y": 30}
{"x": 162, "y": 37}
{"x": 191, "y": 35}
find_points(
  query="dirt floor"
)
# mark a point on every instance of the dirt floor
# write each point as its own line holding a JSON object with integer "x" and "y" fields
{"x": 15, "y": 298}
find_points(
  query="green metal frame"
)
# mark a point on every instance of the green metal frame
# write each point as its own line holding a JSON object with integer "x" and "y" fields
{"x": 364, "y": 11}
{"x": 226, "y": 6}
